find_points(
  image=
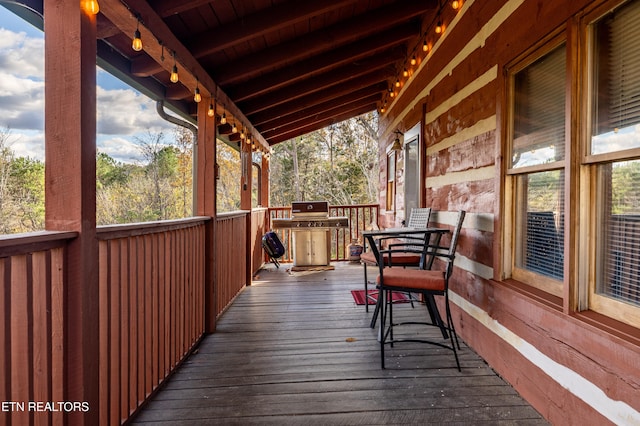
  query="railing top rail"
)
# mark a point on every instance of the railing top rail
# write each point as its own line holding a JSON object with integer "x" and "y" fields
{"x": 109, "y": 232}
{"x": 235, "y": 213}
{"x": 15, "y": 244}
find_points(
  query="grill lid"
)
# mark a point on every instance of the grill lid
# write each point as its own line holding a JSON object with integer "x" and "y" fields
{"x": 309, "y": 208}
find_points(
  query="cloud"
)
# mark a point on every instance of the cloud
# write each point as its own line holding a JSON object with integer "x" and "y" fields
{"x": 122, "y": 113}
{"x": 29, "y": 144}
{"x": 121, "y": 149}
{"x": 21, "y": 55}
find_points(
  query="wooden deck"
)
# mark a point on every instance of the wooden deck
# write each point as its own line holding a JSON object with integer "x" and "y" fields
{"x": 294, "y": 349}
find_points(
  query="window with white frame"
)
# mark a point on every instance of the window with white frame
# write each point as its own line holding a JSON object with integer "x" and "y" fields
{"x": 535, "y": 176}
{"x": 612, "y": 162}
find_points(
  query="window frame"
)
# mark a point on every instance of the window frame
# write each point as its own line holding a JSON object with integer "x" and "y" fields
{"x": 592, "y": 184}
{"x": 513, "y": 196}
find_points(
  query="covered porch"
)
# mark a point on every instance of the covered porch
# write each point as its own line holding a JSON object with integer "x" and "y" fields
{"x": 294, "y": 348}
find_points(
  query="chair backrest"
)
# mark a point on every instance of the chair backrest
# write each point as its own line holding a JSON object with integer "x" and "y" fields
{"x": 446, "y": 253}
{"x": 451, "y": 254}
{"x": 419, "y": 217}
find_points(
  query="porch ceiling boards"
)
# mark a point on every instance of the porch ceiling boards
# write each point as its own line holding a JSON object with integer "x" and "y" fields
{"x": 294, "y": 349}
{"x": 281, "y": 67}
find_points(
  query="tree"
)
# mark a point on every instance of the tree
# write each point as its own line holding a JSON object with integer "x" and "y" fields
{"x": 338, "y": 164}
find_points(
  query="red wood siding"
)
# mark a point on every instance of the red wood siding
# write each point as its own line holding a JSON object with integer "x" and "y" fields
{"x": 532, "y": 339}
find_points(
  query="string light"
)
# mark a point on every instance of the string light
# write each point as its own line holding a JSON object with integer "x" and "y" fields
{"x": 397, "y": 82}
{"x": 455, "y": 4}
{"x": 136, "y": 44}
{"x": 223, "y": 119}
{"x": 405, "y": 73}
{"x": 413, "y": 60}
{"x": 439, "y": 28}
{"x": 211, "y": 111}
{"x": 91, "y": 6}
{"x": 197, "y": 97}
{"x": 174, "y": 71}
{"x": 234, "y": 129}
{"x": 425, "y": 46}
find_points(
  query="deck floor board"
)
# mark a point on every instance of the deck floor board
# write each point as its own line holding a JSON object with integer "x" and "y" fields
{"x": 294, "y": 349}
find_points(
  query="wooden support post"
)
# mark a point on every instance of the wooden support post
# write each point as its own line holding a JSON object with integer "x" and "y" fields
{"x": 264, "y": 196}
{"x": 245, "y": 202}
{"x": 205, "y": 164}
{"x": 70, "y": 188}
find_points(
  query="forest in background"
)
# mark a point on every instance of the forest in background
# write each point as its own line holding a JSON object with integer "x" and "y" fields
{"x": 337, "y": 164}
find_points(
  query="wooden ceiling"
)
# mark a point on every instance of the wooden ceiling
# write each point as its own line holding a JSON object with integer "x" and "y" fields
{"x": 282, "y": 68}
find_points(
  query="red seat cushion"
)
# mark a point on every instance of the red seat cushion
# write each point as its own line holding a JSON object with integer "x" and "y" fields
{"x": 397, "y": 259}
{"x": 417, "y": 279}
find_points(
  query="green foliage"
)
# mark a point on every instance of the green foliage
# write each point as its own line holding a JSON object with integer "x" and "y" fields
{"x": 338, "y": 164}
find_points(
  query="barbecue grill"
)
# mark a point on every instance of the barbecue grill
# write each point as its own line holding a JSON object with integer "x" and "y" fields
{"x": 310, "y": 225}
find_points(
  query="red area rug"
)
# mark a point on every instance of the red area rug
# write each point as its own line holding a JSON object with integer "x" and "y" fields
{"x": 358, "y": 297}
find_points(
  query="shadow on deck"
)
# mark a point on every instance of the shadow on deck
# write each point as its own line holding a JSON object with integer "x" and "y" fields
{"x": 295, "y": 349}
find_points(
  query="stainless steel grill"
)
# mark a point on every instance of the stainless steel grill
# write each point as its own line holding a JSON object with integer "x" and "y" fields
{"x": 310, "y": 224}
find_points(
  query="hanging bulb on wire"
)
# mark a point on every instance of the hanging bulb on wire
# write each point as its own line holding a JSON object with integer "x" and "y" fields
{"x": 174, "y": 74}
{"x": 223, "y": 119}
{"x": 439, "y": 27}
{"x": 136, "y": 44}
{"x": 455, "y": 4}
{"x": 211, "y": 111}
{"x": 91, "y": 6}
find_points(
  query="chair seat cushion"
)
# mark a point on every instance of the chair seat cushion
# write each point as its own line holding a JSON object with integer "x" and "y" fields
{"x": 397, "y": 259}
{"x": 416, "y": 279}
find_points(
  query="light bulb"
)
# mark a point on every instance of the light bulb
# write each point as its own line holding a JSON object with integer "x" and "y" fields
{"x": 223, "y": 119}
{"x": 455, "y": 4}
{"x": 439, "y": 27}
{"x": 136, "y": 44}
{"x": 211, "y": 112}
{"x": 425, "y": 46}
{"x": 234, "y": 129}
{"x": 397, "y": 82}
{"x": 413, "y": 60}
{"x": 405, "y": 73}
{"x": 91, "y": 6}
{"x": 174, "y": 74}
{"x": 196, "y": 95}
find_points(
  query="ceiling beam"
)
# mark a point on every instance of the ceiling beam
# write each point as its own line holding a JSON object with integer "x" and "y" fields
{"x": 166, "y": 8}
{"x": 319, "y": 125}
{"x": 329, "y": 92}
{"x": 324, "y": 81}
{"x": 337, "y": 110}
{"x": 322, "y": 63}
{"x": 260, "y": 23}
{"x": 266, "y": 122}
{"x": 317, "y": 42}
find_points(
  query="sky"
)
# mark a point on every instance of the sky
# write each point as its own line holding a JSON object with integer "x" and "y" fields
{"x": 123, "y": 113}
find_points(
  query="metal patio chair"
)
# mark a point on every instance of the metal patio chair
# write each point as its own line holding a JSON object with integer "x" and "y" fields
{"x": 426, "y": 282}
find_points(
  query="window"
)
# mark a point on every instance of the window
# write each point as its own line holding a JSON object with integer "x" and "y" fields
{"x": 613, "y": 161}
{"x": 256, "y": 184}
{"x": 535, "y": 178}
{"x": 391, "y": 181}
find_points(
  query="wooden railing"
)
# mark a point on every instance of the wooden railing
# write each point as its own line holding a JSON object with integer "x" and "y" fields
{"x": 152, "y": 304}
{"x": 360, "y": 217}
{"x": 259, "y": 225}
{"x": 231, "y": 270}
{"x": 32, "y": 334}
{"x": 151, "y": 307}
